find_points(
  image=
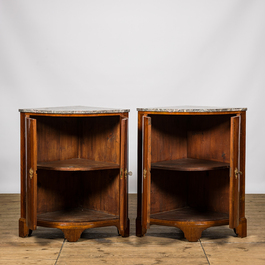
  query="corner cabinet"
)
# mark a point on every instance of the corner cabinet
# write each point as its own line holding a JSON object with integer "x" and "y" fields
{"x": 191, "y": 169}
{"x": 74, "y": 169}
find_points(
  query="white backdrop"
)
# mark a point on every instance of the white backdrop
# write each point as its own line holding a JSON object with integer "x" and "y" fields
{"x": 129, "y": 54}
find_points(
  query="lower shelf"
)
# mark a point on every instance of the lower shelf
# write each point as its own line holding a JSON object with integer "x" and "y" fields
{"x": 75, "y": 215}
{"x": 188, "y": 214}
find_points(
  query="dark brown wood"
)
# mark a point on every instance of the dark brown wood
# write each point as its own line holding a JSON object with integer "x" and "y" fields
{"x": 234, "y": 177}
{"x": 146, "y": 177}
{"x": 23, "y": 229}
{"x": 192, "y": 159}
{"x": 124, "y": 223}
{"x": 139, "y": 227}
{"x": 72, "y": 235}
{"x": 190, "y": 215}
{"x": 76, "y": 215}
{"x": 190, "y": 164}
{"x": 78, "y": 161}
{"x": 76, "y": 164}
{"x": 31, "y": 173}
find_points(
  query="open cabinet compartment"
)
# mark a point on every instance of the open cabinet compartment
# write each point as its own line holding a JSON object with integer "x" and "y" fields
{"x": 190, "y": 158}
{"x": 189, "y": 166}
{"x": 78, "y": 168}
{"x": 75, "y": 173}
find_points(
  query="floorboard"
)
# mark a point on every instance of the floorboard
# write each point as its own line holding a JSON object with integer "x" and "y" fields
{"x": 161, "y": 245}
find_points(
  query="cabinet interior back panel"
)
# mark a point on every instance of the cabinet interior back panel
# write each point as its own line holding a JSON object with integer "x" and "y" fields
{"x": 100, "y": 139}
{"x": 95, "y": 138}
{"x": 57, "y": 138}
{"x": 168, "y": 190}
{"x": 94, "y": 190}
{"x": 168, "y": 137}
{"x": 209, "y": 137}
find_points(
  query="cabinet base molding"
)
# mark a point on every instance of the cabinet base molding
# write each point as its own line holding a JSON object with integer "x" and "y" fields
{"x": 241, "y": 230}
{"x": 23, "y": 229}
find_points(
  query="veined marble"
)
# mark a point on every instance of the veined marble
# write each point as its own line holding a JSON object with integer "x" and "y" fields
{"x": 73, "y": 110}
{"x": 191, "y": 109}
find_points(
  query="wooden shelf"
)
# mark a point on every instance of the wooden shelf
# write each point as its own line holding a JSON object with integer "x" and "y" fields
{"x": 76, "y": 164}
{"x": 75, "y": 215}
{"x": 189, "y": 214}
{"x": 190, "y": 164}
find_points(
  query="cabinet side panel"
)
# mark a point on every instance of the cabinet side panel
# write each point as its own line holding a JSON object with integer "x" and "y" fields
{"x": 100, "y": 139}
{"x": 169, "y": 137}
{"x": 22, "y": 166}
{"x": 209, "y": 137}
{"x": 57, "y": 138}
{"x": 168, "y": 190}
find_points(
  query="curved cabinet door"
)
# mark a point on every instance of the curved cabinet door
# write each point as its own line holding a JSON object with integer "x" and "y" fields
{"x": 123, "y": 174}
{"x": 235, "y": 172}
{"x": 146, "y": 171}
{"x": 31, "y": 173}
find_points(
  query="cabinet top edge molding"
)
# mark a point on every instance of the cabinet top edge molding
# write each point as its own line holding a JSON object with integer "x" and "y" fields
{"x": 191, "y": 109}
{"x": 73, "y": 110}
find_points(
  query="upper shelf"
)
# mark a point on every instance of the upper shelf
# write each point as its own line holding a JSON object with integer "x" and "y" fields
{"x": 190, "y": 164}
{"x": 76, "y": 164}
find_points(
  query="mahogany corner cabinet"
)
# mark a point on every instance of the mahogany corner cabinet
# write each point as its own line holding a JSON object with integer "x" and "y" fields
{"x": 74, "y": 169}
{"x": 191, "y": 169}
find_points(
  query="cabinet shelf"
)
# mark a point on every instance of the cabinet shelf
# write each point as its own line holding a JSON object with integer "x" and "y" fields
{"x": 76, "y": 164}
{"x": 76, "y": 215}
{"x": 188, "y": 214}
{"x": 189, "y": 164}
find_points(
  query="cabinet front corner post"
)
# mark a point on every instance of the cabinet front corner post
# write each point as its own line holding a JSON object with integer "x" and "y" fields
{"x": 139, "y": 231}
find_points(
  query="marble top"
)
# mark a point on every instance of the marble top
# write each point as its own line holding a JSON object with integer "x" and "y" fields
{"x": 191, "y": 109}
{"x": 73, "y": 110}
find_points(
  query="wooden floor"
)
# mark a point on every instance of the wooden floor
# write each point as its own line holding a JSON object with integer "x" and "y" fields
{"x": 161, "y": 245}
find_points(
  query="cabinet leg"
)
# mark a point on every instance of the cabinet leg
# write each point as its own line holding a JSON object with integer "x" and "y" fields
{"x": 140, "y": 231}
{"x": 192, "y": 234}
{"x": 72, "y": 235}
{"x": 241, "y": 230}
{"x": 126, "y": 232}
{"x": 23, "y": 229}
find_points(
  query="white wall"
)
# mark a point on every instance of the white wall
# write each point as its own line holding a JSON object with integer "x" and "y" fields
{"x": 130, "y": 54}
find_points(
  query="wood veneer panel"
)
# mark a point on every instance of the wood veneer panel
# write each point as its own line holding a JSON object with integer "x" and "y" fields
{"x": 76, "y": 164}
{"x": 100, "y": 139}
{"x": 95, "y": 190}
{"x": 209, "y": 137}
{"x": 188, "y": 214}
{"x": 58, "y": 138}
{"x": 209, "y": 190}
{"x": 76, "y": 215}
{"x": 169, "y": 137}
{"x": 168, "y": 190}
{"x": 190, "y": 164}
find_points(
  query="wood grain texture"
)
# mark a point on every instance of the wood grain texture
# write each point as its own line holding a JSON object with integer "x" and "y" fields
{"x": 190, "y": 164}
{"x": 76, "y": 164}
{"x": 78, "y": 160}
{"x": 146, "y": 178}
{"x": 124, "y": 228}
{"x": 234, "y": 177}
{"x": 161, "y": 244}
{"x": 191, "y": 158}
{"x": 31, "y": 173}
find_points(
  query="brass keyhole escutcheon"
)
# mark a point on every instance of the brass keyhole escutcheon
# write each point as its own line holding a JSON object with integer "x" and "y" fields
{"x": 145, "y": 171}
{"x": 237, "y": 172}
{"x": 31, "y": 173}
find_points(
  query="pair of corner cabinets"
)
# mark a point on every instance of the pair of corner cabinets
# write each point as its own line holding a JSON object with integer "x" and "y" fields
{"x": 74, "y": 168}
